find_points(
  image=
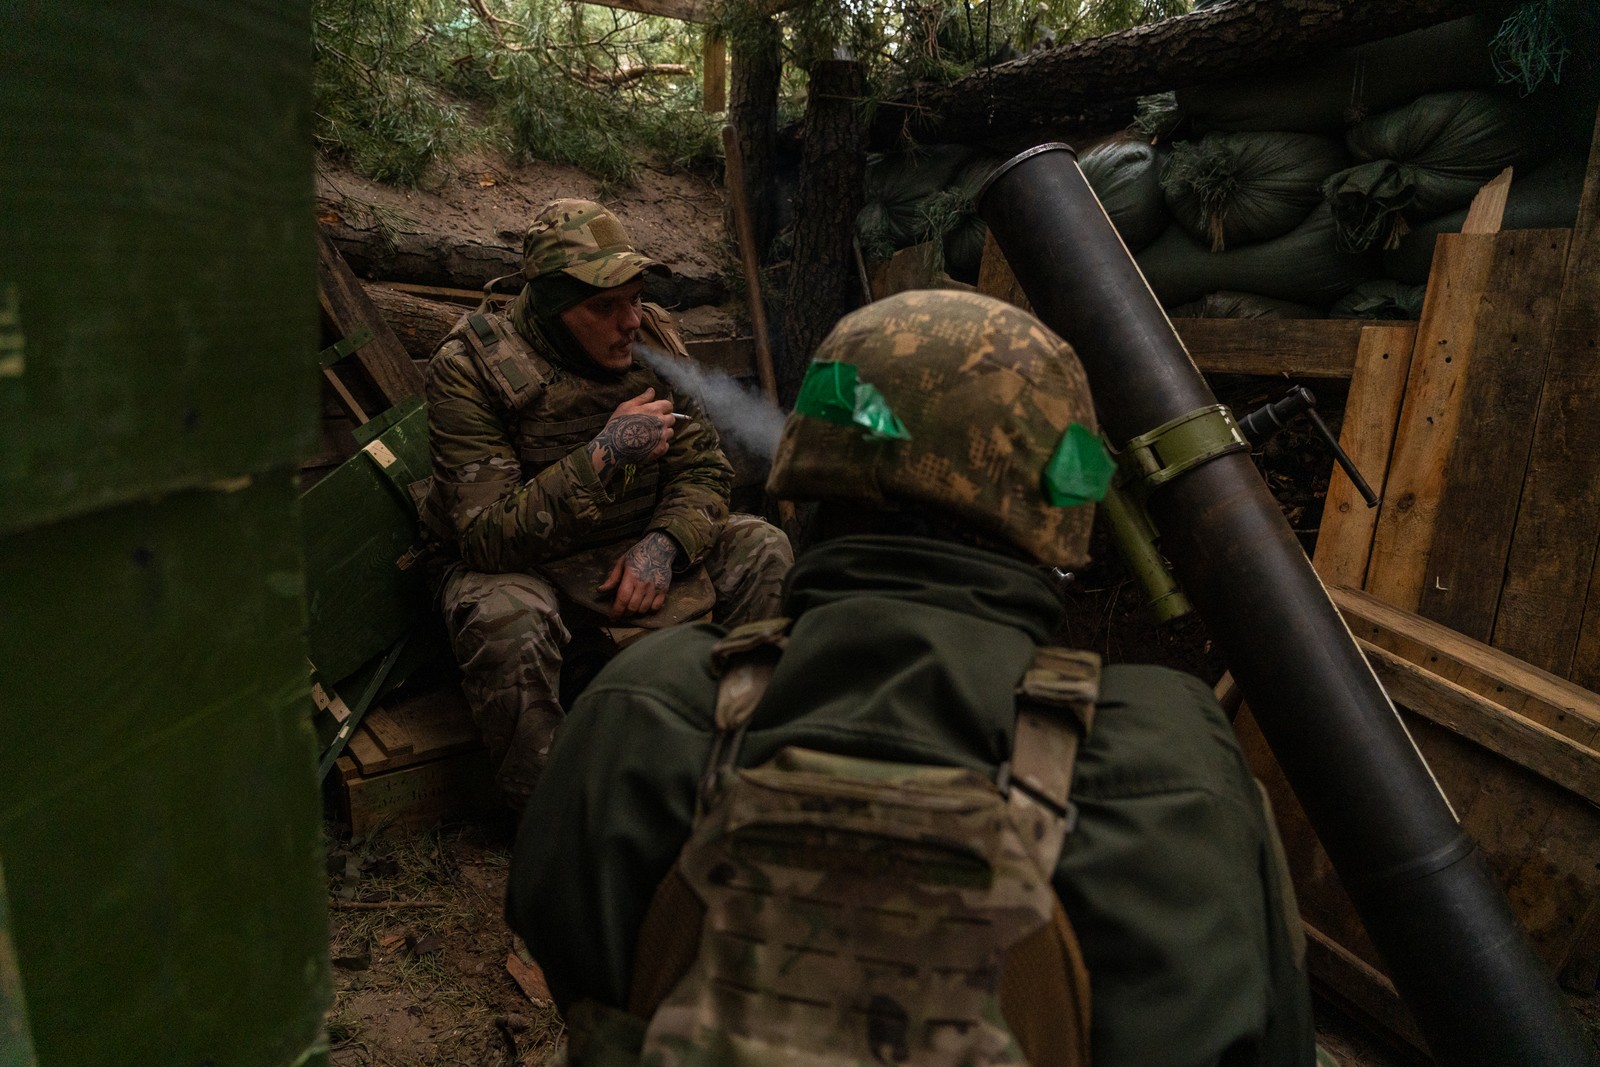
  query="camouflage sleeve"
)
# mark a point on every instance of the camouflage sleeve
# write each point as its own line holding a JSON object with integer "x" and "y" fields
{"x": 497, "y": 522}
{"x": 696, "y": 476}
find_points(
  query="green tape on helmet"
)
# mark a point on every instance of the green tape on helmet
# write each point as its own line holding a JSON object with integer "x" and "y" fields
{"x": 1080, "y": 470}
{"x": 833, "y": 392}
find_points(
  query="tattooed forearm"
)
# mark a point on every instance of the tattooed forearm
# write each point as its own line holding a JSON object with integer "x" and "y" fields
{"x": 650, "y": 561}
{"x": 625, "y": 439}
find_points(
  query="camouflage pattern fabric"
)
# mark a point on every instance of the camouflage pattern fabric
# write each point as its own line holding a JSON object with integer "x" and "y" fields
{"x": 514, "y": 493}
{"x": 512, "y": 490}
{"x": 986, "y": 392}
{"x": 856, "y": 913}
{"x": 908, "y": 650}
{"x": 586, "y": 241}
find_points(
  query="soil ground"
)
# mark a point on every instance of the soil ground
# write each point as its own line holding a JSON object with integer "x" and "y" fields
{"x": 418, "y": 943}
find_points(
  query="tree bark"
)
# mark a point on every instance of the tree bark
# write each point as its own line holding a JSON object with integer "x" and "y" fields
{"x": 1062, "y": 87}
{"x": 450, "y": 261}
{"x": 822, "y": 280}
{"x": 419, "y": 324}
{"x": 757, "y": 62}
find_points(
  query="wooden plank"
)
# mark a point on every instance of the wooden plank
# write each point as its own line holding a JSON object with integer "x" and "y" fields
{"x": 1558, "y": 522}
{"x": 1360, "y": 988}
{"x": 389, "y": 731}
{"x": 1297, "y": 348}
{"x": 1499, "y": 402}
{"x": 1551, "y": 755}
{"x": 1488, "y": 207}
{"x": 1537, "y": 695}
{"x": 417, "y": 797}
{"x": 465, "y": 297}
{"x": 346, "y": 308}
{"x": 1426, "y": 433}
{"x": 1377, "y": 387}
{"x": 714, "y": 72}
{"x": 1586, "y": 661}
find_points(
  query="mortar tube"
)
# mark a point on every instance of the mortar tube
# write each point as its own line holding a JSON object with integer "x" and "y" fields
{"x": 1466, "y": 971}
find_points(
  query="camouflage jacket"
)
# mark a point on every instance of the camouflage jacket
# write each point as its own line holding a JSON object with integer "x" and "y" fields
{"x": 513, "y": 486}
{"x": 907, "y": 650}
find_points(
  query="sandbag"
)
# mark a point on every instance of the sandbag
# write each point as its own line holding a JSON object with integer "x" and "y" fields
{"x": 1126, "y": 176}
{"x": 1302, "y": 266}
{"x": 1326, "y": 95}
{"x": 896, "y": 187}
{"x": 1226, "y": 305}
{"x": 1546, "y": 198}
{"x": 1229, "y": 189}
{"x": 1451, "y": 142}
{"x": 1380, "y": 298}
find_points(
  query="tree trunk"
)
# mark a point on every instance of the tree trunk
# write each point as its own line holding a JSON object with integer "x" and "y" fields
{"x": 1059, "y": 87}
{"x": 822, "y": 278}
{"x": 753, "y": 110}
{"x": 419, "y": 324}
{"x": 450, "y": 261}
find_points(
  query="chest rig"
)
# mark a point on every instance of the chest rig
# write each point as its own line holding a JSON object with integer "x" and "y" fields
{"x": 829, "y": 910}
{"x": 550, "y": 413}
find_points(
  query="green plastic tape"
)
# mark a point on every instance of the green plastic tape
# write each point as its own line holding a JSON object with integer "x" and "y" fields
{"x": 833, "y": 392}
{"x": 1080, "y": 470}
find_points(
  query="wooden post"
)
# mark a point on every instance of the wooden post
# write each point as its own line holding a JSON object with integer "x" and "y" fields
{"x": 714, "y": 73}
{"x": 757, "y": 67}
{"x": 1542, "y": 607}
{"x": 822, "y": 278}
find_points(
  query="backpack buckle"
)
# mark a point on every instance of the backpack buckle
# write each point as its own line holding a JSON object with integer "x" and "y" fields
{"x": 1007, "y": 784}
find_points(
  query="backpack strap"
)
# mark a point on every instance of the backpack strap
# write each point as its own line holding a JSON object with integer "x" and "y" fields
{"x": 745, "y": 659}
{"x": 505, "y": 359}
{"x": 1055, "y": 711}
{"x": 656, "y": 329}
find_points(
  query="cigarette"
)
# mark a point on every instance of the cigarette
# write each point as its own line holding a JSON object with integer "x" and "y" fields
{"x": 681, "y": 417}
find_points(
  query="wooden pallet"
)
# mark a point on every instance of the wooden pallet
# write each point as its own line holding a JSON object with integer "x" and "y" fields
{"x": 415, "y": 762}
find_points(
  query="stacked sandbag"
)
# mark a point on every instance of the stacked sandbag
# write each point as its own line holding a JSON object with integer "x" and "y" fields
{"x": 927, "y": 194}
{"x": 1303, "y": 265}
{"x": 1126, "y": 176}
{"x": 1424, "y": 159}
{"x": 1226, "y": 305}
{"x": 1380, "y": 298}
{"x": 1327, "y": 95}
{"x": 1233, "y": 189}
{"x": 1326, "y": 182}
{"x": 1544, "y": 197}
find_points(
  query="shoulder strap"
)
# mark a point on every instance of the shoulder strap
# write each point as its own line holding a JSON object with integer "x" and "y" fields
{"x": 1055, "y": 711}
{"x": 506, "y": 360}
{"x": 655, "y": 323}
{"x": 745, "y": 659}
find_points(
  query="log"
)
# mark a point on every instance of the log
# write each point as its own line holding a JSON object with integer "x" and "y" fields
{"x": 446, "y": 259}
{"x": 1059, "y": 87}
{"x": 420, "y": 324}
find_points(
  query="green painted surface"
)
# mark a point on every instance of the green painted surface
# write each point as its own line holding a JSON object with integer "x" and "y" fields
{"x": 364, "y": 580}
{"x": 16, "y": 1042}
{"x": 159, "y": 814}
{"x": 156, "y": 249}
{"x": 156, "y": 778}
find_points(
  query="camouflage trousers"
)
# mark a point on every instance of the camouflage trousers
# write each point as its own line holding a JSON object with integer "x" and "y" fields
{"x": 508, "y": 636}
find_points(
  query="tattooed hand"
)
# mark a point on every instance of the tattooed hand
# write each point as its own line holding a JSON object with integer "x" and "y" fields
{"x": 638, "y": 431}
{"x": 642, "y": 576}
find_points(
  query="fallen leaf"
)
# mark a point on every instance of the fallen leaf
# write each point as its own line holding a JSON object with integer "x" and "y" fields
{"x": 529, "y": 978}
{"x": 486, "y": 181}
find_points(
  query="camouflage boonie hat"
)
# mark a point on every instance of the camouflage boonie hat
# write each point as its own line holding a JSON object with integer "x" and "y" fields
{"x": 985, "y": 396}
{"x": 586, "y": 241}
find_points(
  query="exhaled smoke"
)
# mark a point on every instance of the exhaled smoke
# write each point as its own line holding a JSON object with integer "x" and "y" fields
{"x": 743, "y": 417}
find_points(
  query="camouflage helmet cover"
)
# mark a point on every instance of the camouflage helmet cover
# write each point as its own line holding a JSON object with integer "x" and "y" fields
{"x": 586, "y": 241}
{"x": 986, "y": 393}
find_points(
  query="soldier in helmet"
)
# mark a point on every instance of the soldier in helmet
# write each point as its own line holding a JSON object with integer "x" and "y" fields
{"x": 570, "y": 484}
{"x": 895, "y": 824}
